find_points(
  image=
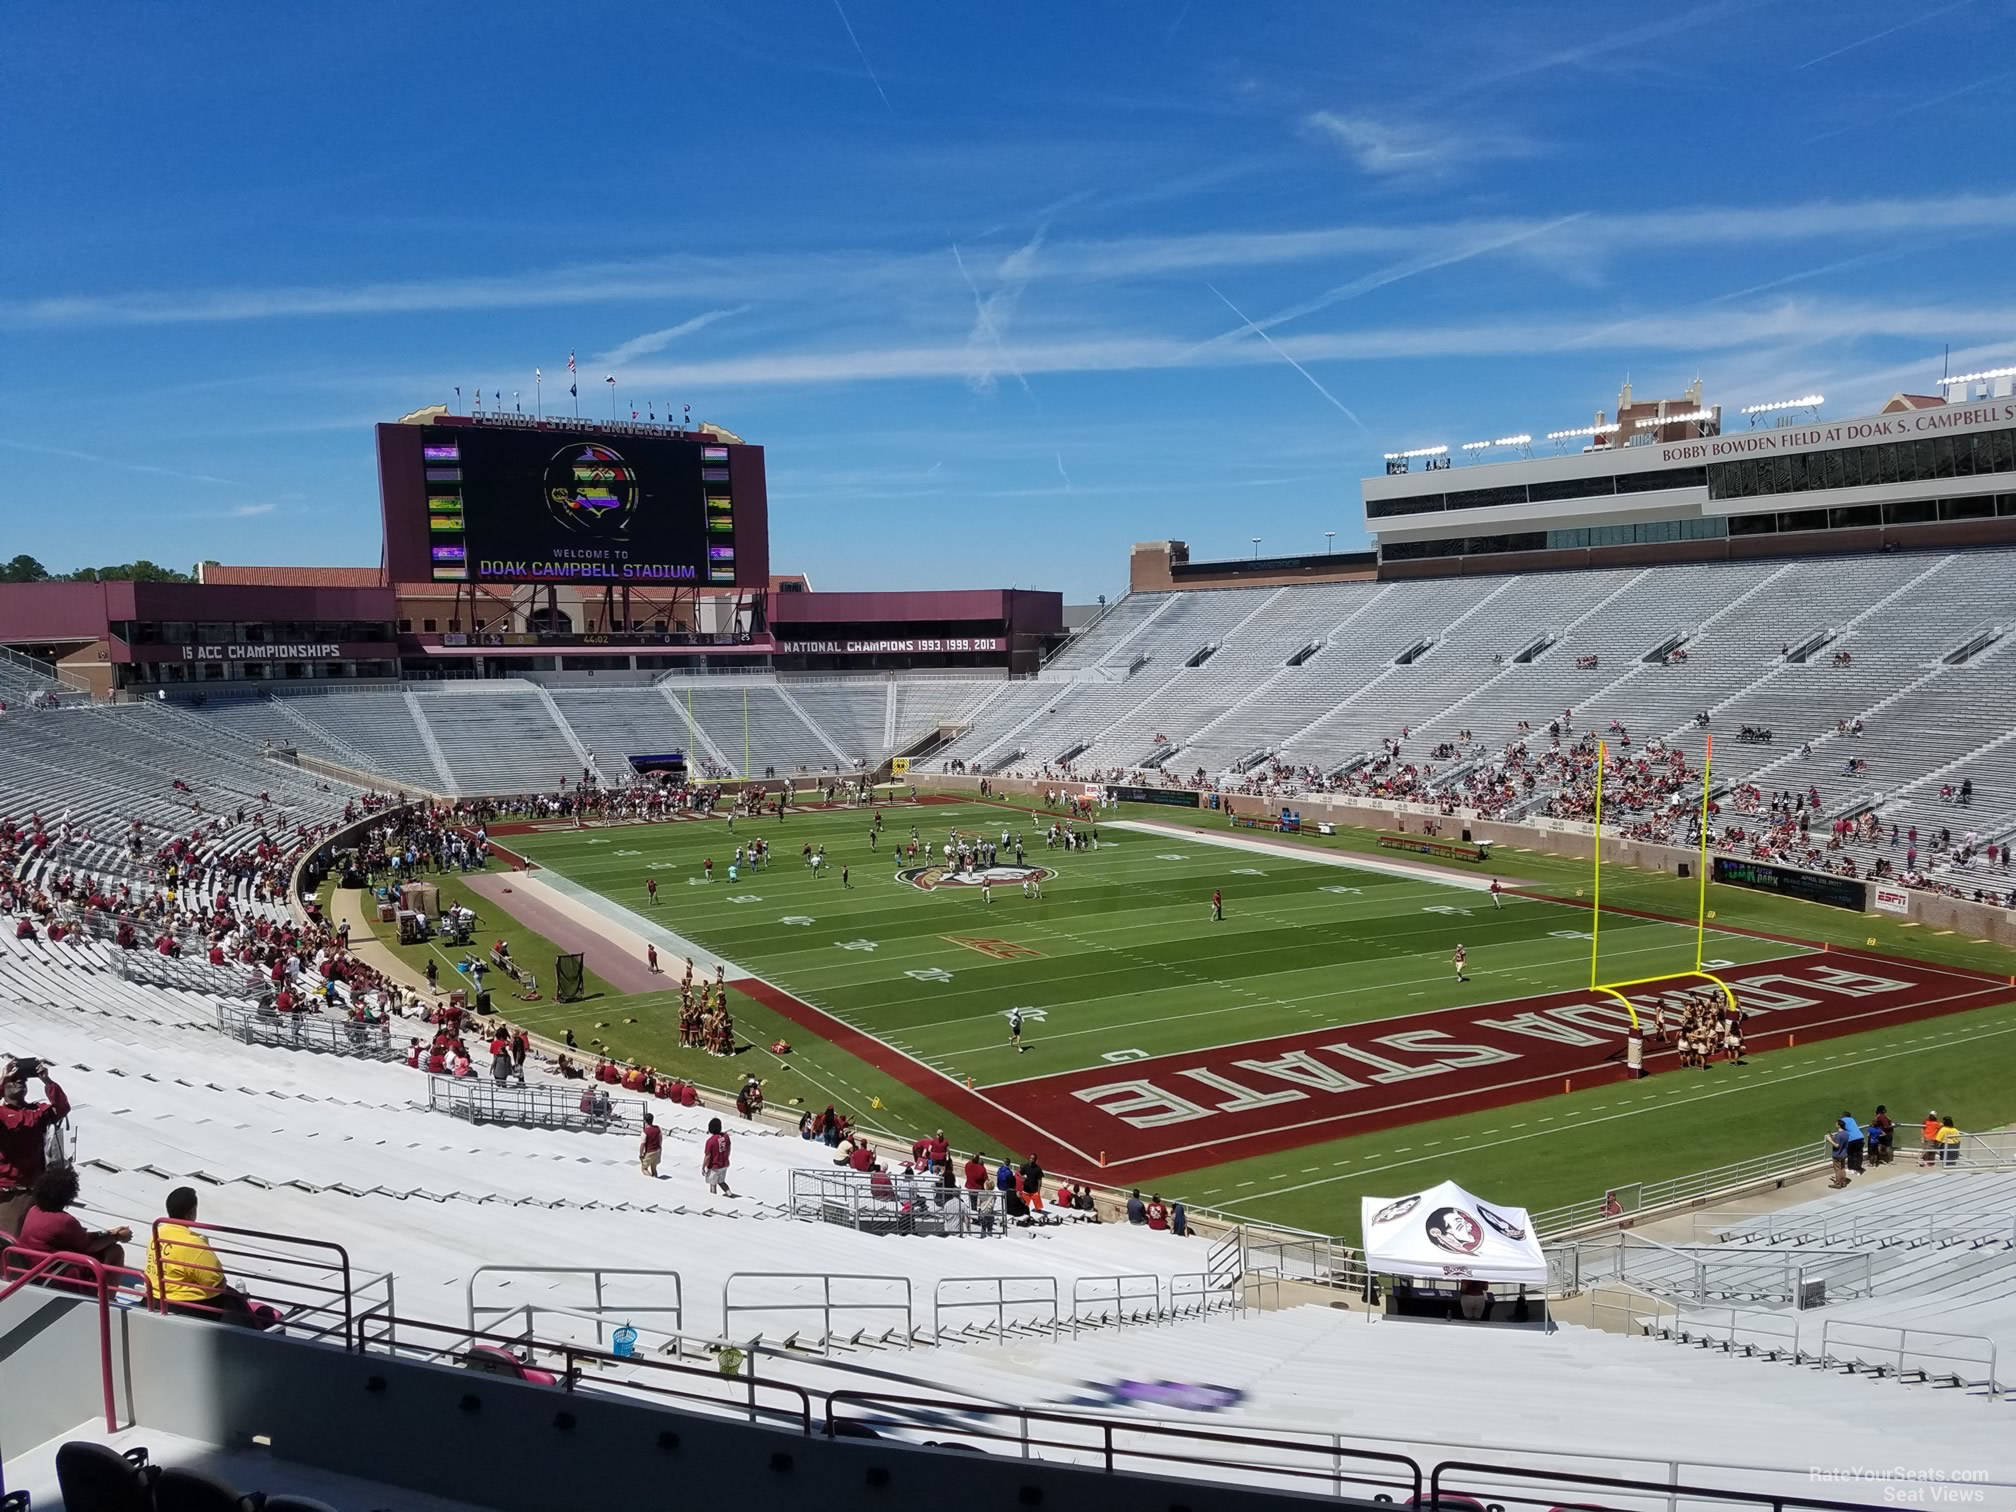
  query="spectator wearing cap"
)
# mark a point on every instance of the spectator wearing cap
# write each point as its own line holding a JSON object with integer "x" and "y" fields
{"x": 24, "y": 1128}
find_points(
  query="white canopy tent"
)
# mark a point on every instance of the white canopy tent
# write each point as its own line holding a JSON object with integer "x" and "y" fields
{"x": 1447, "y": 1234}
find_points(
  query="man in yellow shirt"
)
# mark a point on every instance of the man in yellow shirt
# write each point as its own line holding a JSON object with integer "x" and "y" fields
{"x": 183, "y": 1272}
{"x": 1949, "y": 1143}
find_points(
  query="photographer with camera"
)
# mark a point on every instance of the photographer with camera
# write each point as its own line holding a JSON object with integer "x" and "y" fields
{"x": 24, "y": 1128}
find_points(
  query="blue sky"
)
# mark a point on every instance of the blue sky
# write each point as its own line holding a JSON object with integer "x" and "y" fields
{"x": 983, "y": 279}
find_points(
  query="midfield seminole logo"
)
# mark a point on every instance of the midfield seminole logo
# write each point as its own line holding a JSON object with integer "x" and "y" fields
{"x": 931, "y": 878}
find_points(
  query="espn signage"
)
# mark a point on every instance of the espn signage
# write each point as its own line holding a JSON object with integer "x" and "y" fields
{"x": 1890, "y": 899}
{"x": 874, "y": 647}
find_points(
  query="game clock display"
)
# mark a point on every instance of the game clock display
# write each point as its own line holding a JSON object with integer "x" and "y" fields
{"x": 541, "y": 506}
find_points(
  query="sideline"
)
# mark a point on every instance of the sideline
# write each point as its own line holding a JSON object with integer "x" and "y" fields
{"x": 618, "y": 925}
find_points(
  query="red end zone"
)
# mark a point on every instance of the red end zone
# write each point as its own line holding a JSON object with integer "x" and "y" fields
{"x": 1179, "y": 1111}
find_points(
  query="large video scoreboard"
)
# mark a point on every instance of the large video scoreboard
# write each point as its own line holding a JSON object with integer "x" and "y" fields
{"x": 512, "y": 500}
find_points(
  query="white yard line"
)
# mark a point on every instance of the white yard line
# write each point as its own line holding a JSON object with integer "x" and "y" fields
{"x": 1311, "y": 854}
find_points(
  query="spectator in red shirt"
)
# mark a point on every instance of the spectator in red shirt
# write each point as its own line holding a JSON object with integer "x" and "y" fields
{"x": 23, "y": 1127}
{"x": 861, "y": 1157}
{"x": 977, "y": 1173}
{"x": 48, "y": 1226}
{"x": 652, "y": 1148}
{"x": 714, "y": 1159}
{"x": 1158, "y": 1214}
{"x": 940, "y": 1150}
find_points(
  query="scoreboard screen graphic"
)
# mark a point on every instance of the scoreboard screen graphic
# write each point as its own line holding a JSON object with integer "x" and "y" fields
{"x": 561, "y": 504}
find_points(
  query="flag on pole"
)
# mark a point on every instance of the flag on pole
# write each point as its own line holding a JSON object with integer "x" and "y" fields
{"x": 573, "y": 389}
{"x": 515, "y": 405}
{"x": 537, "y": 376}
{"x": 570, "y": 362}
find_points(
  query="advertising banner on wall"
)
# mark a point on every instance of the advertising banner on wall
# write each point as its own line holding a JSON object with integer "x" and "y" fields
{"x": 1890, "y": 898}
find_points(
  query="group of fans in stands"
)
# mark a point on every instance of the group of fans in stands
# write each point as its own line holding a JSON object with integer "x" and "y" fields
{"x": 1652, "y": 792}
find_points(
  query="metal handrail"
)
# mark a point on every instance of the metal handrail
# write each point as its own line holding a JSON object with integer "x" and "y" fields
{"x": 573, "y": 1357}
{"x": 306, "y": 1031}
{"x": 598, "y": 1308}
{"x": 51, "y": 1268}
{"x": 1671, "y": 1491}
{"x": 1402, "y": 1473}
{"x": 825, "y": 1306}
{"x": 347, "y": 1291}
{"x": 1905, "y": 1333}
{"x": 1000, "y": 1302}
{"x": 481, "y": 1100}
{"x": 1124, "y": 1290}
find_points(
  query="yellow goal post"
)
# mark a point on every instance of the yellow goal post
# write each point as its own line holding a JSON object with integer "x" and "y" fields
{"x": 1616, "y": 989}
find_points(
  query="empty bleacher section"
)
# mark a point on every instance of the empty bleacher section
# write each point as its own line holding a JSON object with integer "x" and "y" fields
{"x": 25, "y": 680}
{"x": 1909, "y": 1277}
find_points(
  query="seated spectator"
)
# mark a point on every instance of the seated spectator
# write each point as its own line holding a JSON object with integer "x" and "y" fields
{"x": 49, "y": 1227}
{"x": 184, "y": 1275}
{"x": 1474, "y": 1299}
{"x": 1137, "y": 1210}
{"x": 1157, "y": 1214}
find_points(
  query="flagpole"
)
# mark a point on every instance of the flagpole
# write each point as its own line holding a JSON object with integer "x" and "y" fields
{"x": 538, "y": 395}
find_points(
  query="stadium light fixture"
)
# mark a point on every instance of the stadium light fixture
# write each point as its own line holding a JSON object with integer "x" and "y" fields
{"x": 1498, "y": 441}
{"x": 1419, "y": 451}
{"x": 1687, "y": 419}
{"x": 1582, "y": 430}
{"x": 1981, "y": 377}
{"x": 1811, "y": 401}
{"x": 1256, "y": 548}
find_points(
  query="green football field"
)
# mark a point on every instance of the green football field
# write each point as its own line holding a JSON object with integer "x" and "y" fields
{"x": 1211, "y": 1059}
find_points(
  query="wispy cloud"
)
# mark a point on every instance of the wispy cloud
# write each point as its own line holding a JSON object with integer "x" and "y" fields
{"x": 656, "y": 341}
{"x": 1888, "y": 31}
{"x": 992, "y": 314}
{"x": 1683, "y": 333}
{"x": 98, "y": 461}
{"x": 1915, "y": 108}
{"x": 1388, "y": 147}
{"x": 1601, "y": 45}
{"x": 1063, "y": 474}
{"x": 1379, "y": 278}
{"x": 827, "y": 276}
{"x": 236, "y": 512}
{"x": 863, "y": 55}
{"x": 1275, "y": 347}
